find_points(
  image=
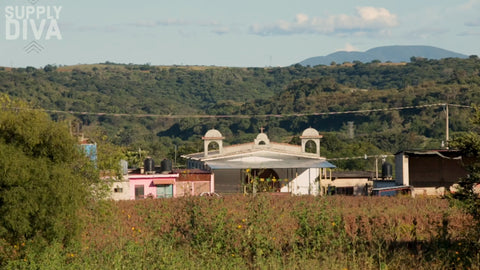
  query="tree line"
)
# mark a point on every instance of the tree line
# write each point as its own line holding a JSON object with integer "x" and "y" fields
{"x": 254, "y": 92}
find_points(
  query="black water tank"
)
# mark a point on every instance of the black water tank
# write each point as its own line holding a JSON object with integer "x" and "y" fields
{"x": 149, "y": 165}
{"x": 387, "y": 170}
{"x": 166, "y": 165}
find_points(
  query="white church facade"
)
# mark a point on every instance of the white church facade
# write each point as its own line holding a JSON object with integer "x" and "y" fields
{"x": 263, "y": 165}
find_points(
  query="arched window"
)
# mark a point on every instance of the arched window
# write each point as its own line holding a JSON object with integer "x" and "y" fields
{"x": 311, "y": 147}
{"x": 213, "y": 146}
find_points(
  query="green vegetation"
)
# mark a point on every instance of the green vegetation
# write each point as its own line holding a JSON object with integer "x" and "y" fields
{"x": 45, "y": 179}
{"x": 469, "y": 187}
{"x": 263, "y": 232}
{"x": 50, "y": 217}
{"x": 313, "y": 92}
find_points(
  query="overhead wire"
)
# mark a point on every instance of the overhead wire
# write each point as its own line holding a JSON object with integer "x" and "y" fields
{"x": 182, "y": 116}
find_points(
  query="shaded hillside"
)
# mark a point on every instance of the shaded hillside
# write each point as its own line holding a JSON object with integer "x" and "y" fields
{"x": 394, "y": 54}
{"x": 295, "y": 97}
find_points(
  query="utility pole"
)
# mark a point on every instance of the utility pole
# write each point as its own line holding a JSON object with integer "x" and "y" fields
{"x": 175, "y": 158}
{"x": 447, "y": 138}
{"x": 351, "y": 133}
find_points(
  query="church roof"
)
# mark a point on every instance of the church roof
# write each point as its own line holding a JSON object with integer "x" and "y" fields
{"x": 267, "y": 159}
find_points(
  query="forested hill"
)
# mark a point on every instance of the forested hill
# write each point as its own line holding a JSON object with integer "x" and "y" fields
{"x": 181, "y": 90}
{"x": 175, "y": 89}
{"x": 394, "y": 54}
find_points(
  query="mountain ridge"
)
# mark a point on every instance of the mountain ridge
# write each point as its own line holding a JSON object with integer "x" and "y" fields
{"x": 394, "y": 53}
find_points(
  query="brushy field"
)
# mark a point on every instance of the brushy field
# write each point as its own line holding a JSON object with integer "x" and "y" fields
{"x": 262, "y": 232}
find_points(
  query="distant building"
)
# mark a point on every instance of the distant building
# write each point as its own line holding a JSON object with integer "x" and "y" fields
{"x": 160, "y": 182}
{"x": 279, "y": 166}
{"x": 193, "y": 182}
{"x": 88, "y": 147}
{"x": 348, "y": 183}
{"x": 430, "y": 172}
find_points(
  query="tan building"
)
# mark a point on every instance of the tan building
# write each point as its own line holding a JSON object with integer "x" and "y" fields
{"x": 356, "y": 183}
{"x": 431, "y": 172}
{"x": 193, "y": 182}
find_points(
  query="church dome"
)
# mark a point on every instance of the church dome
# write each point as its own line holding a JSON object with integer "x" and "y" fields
{"x": 310, "y": 132}
{"x": 213, "y": 133}
{"x": 262, "y": 137}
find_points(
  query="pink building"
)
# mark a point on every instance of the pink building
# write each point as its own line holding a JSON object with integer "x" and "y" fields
{"x": 152, "y": 185}
{"x": 177, "y": 184}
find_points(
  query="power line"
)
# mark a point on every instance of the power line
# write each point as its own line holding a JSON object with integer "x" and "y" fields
{"x": 362, "y": 157}
{"x": 181, "y": 116}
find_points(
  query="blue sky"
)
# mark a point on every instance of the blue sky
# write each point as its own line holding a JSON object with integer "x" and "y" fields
{"x": 247, "y": 33}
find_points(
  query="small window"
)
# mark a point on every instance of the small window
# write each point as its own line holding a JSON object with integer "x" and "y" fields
{"x": 344, "y": 191}
{"x": 118, "y": 190}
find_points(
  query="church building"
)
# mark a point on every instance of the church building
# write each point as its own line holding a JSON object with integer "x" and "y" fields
{"x": 264, "y": 166}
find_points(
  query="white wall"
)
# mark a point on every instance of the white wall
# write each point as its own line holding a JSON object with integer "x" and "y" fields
{"x": 304, "y": 183}
{"x": 401, "y": 170}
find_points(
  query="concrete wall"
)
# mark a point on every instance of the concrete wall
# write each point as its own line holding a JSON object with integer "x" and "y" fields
{"x": 429, "y": 191}
{"x": 358, "y": 185}
{"x": 120, "y": 190}
{"x": 434, "y": 171}
{"x": 190, "y": 188}
{"x": 401, "y": 170}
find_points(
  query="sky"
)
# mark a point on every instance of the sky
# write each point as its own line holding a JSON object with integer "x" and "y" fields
{"x": 247, "y": 33}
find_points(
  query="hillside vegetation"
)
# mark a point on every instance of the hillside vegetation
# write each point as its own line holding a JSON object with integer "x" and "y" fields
{"x": 165, "y": 105}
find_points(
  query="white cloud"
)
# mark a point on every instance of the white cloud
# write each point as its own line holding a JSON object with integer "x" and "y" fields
{"x": 469, "y": 5}
{"x": 376, "y": 17}
{"x": 301, "y": 18}
{"x": 366, "y": 20}
{"x": 348, "y": 48}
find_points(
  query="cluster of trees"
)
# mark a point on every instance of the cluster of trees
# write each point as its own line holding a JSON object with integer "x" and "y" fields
{"x": 45, "y": 179}
{"x": 312, "y": 92}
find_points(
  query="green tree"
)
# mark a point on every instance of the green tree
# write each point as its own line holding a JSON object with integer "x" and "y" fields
{"x": 469, "y": 145}
{"x": 109, "y": 154}
{"x": 45, "y": 179}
